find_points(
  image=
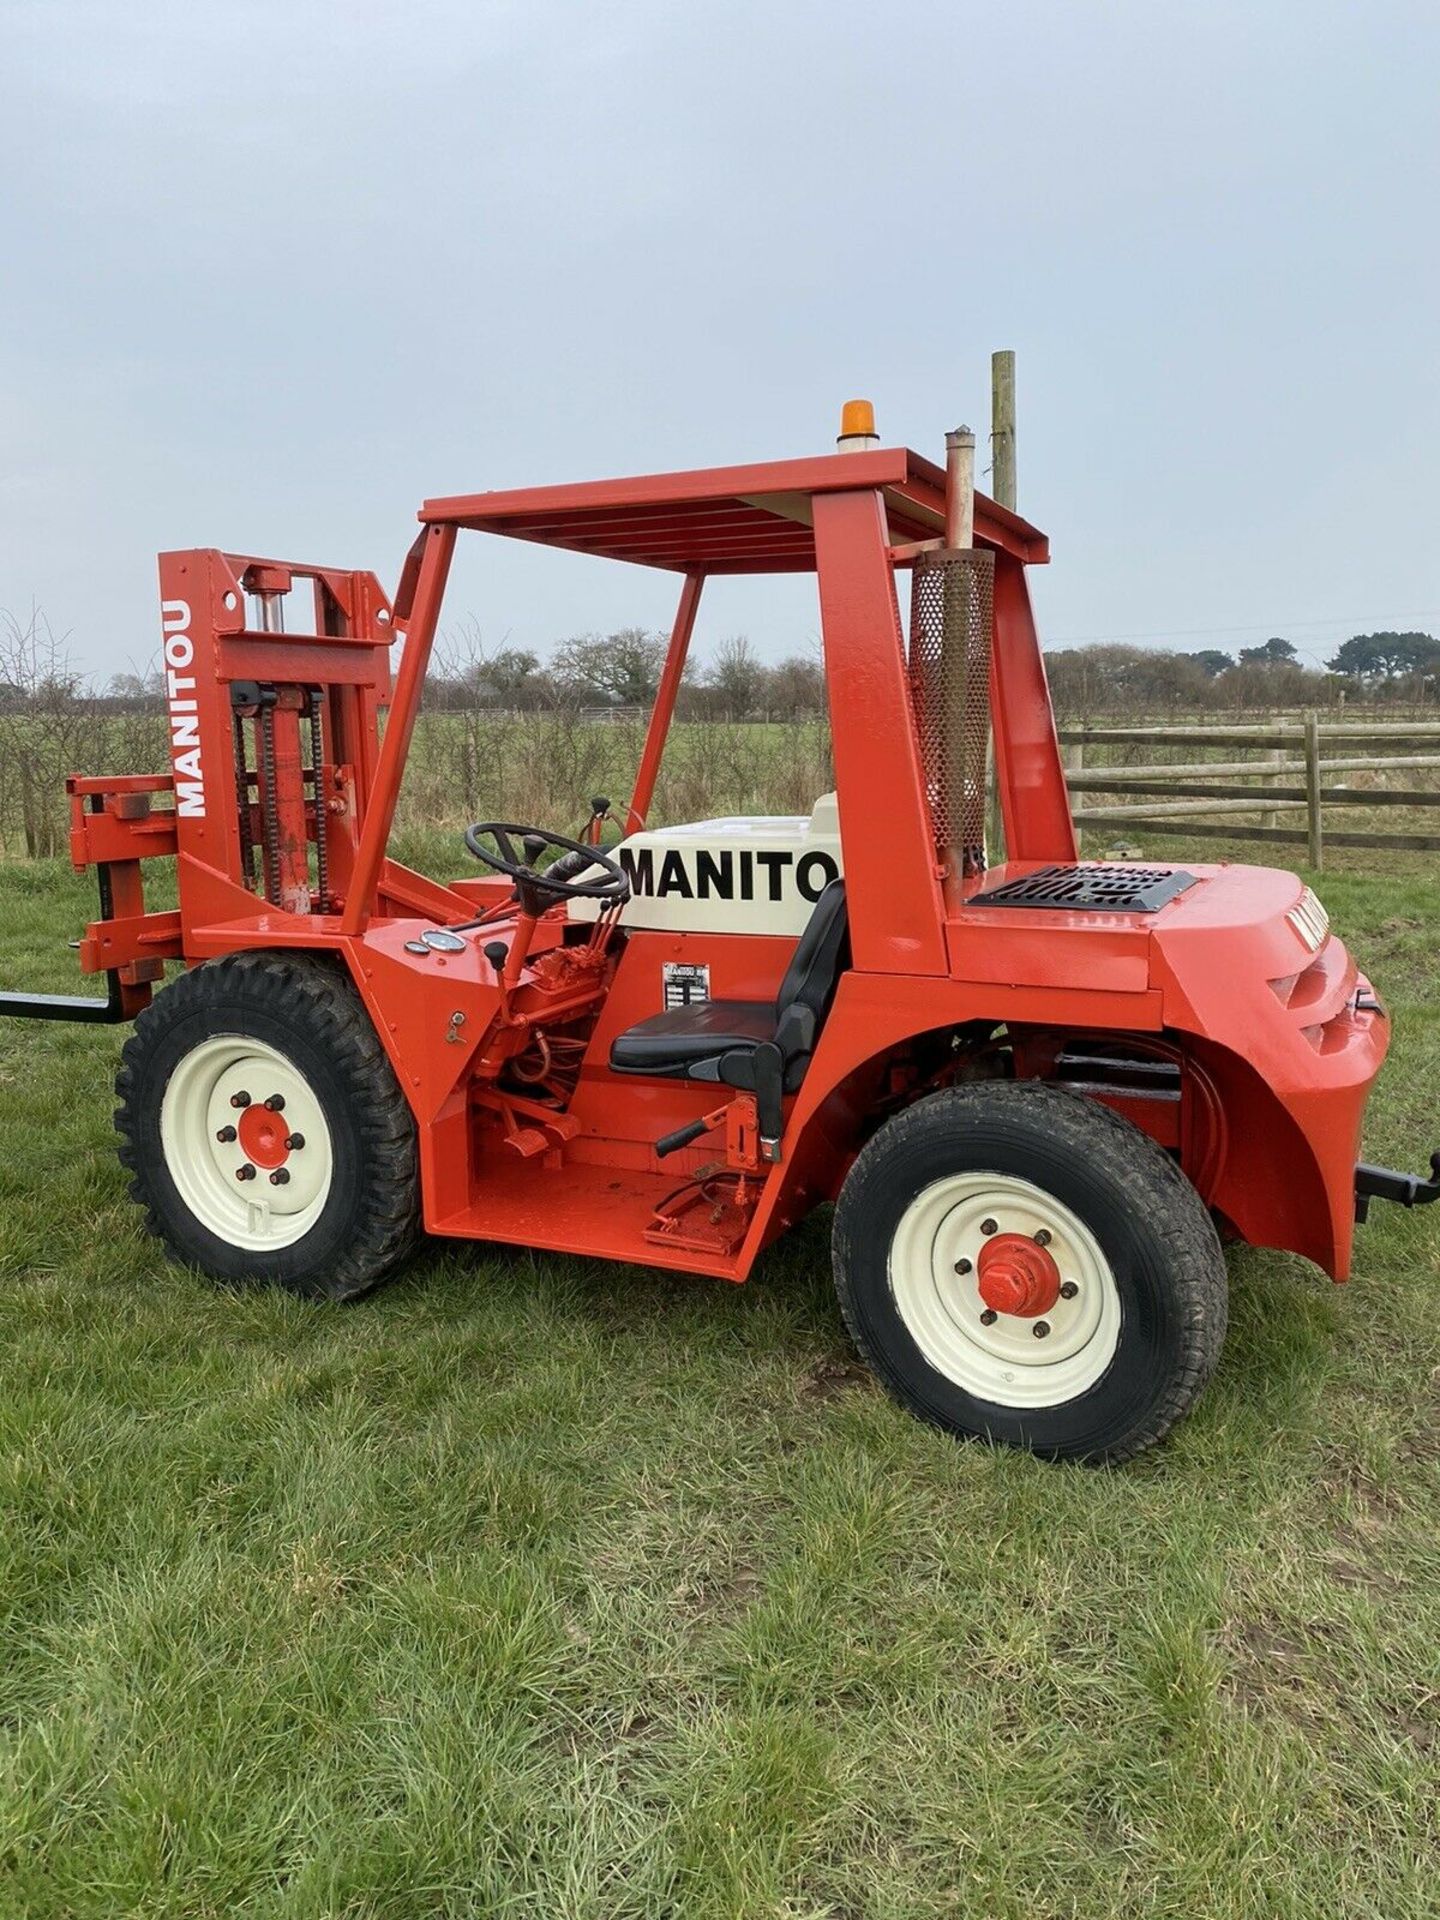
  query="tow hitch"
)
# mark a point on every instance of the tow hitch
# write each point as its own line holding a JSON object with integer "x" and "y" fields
{"x": 1384, "y": 1183}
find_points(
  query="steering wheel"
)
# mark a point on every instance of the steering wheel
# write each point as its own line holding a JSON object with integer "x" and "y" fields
{"x": 561, "y": 880}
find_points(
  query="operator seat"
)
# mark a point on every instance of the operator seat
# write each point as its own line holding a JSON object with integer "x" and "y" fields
{"x": 750, "y": 1044}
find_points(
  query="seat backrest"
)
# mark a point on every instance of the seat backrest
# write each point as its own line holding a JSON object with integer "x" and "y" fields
{"x": 821, "y": 953}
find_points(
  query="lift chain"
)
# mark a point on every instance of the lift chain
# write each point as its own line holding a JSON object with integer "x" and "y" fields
{"x": 242, "y": 797}
{"x": 317, "y": 767}
{"x": 269, "y": 811}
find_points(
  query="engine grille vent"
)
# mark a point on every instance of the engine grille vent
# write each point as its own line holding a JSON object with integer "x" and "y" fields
{"x": 1095, "y": 888}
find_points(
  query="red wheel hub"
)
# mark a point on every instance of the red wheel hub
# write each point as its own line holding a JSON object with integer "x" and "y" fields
{"x": 1017, "y": 1276}
{"x": 264, "y": 1136}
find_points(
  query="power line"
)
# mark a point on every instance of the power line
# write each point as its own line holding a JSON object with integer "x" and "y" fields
{"x": 1356, "y": 621}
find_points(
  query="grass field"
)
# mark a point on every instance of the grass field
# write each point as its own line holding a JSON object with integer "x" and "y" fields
{"x": 538, "y": 1587}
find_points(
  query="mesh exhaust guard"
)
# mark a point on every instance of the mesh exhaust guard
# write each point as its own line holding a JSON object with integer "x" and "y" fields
{"x": 952, "y": 627}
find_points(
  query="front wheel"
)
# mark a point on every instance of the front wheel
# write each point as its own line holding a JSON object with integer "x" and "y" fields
{"x": 1023, "y": 1265}
{"x": 265, "y": 1131}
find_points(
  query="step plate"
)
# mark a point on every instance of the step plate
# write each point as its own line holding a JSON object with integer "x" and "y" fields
{"x": 1093, "y": 888}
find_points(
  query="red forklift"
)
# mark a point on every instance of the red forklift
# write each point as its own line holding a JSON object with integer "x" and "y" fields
{"x": 1039, "y": 1093}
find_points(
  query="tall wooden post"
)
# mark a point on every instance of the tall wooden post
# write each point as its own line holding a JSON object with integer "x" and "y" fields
{"x": 1002, "y": 428}
{"x": 1002, "y": 488}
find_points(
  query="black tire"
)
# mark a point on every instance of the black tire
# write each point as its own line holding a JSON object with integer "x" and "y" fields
{"x": 305, "y": 1009}
{"x": 1150, "y": 1225}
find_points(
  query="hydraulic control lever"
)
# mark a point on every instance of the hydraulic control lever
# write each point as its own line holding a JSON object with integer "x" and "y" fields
{"x": 682, "y": 1136}
{"x": 744, "y": 1154}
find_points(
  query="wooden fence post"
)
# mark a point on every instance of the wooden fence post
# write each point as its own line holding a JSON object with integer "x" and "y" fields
{"x": 1276, "y": 757}
{"x": 1075, "y": 763}
{"x": 1312, "y": 789}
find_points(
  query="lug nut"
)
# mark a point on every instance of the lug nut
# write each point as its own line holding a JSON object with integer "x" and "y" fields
{"x": 280, "y": 1177}
{"x": 225, "y": 1136}
{"x": 247, "y": 1172}
{"x": 1042, "y": 1327}
{"x": 276, "y": 1103}
{"x": 1042, "y": 1238}
{"x": 294, "y": 1142}
{"x": 1068, "y": 1290}
{"x": 989, "y": 1226}
{"x": 962, "y": 1266}
{"x": 989, "y": 1317}
{"x": 239, "y": 1099}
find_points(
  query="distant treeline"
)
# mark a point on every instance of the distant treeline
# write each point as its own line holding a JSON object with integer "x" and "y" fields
{"x": 619, "y": 672}
{"x": 1383, "y": 667}
{"x": 500, "y": 724}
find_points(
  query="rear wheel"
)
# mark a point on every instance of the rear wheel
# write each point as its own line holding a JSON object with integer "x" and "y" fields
{"x": 1023, "y": 1265}
{"x": 268, "y": 1138}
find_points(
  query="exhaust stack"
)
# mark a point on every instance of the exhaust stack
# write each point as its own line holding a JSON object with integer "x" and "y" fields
{"x": 952, "y": 621}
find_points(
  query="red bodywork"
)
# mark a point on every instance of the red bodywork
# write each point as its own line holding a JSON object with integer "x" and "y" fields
{"x": 1267, "y": 1044}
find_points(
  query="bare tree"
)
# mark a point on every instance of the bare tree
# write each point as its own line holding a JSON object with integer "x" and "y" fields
{"x": 137, "y": 688}
{"x": 796, "y": 687}
{"x": 467, "y": 672}
{"x": 737, "y": 678}
{"x": 49, "y": 727}
{"x": 614, "y": 669}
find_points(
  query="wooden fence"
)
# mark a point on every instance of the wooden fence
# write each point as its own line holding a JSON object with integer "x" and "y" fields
{"x": 1290, "y": 788}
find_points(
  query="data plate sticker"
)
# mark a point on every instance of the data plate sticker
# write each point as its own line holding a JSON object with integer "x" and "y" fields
{"x": 685, "y": 984}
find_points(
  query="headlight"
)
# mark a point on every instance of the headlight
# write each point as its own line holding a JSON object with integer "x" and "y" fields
{"x": 1310, "y": 921}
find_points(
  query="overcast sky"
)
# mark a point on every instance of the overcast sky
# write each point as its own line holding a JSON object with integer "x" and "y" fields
{"x": 273, "y": 273}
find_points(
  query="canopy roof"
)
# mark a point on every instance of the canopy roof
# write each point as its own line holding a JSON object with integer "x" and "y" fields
{"x": 753, "y": 519}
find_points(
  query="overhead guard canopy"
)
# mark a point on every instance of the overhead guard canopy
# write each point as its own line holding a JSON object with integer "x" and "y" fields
{"x": 752, "y": 519}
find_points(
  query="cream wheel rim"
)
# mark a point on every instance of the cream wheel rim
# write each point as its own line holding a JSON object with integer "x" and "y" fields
{"x": 1018, "y": 1360}
{"x": 235, "y": 1104}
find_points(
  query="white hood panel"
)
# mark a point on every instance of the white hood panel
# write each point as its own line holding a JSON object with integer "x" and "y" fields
{"x": 760, "y": 874}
